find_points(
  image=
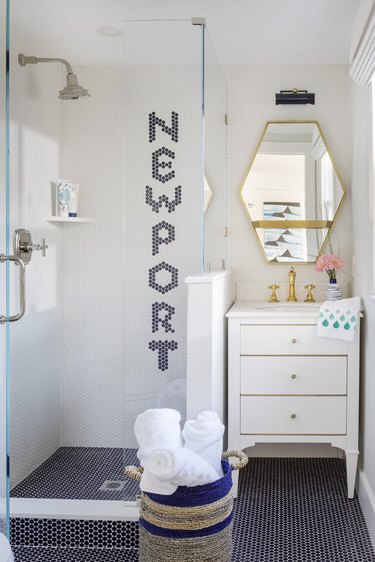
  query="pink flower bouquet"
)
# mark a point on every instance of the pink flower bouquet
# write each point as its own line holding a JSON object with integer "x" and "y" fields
{"x": 331, "y": 264}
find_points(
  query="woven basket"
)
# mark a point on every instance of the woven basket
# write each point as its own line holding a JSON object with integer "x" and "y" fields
{"x": 192, "y": 525}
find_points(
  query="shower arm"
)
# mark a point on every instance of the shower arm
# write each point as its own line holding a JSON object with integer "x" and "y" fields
{"x": 24, "y": 60}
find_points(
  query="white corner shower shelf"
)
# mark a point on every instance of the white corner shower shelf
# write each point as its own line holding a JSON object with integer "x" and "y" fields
{"x": 69, "y": 219}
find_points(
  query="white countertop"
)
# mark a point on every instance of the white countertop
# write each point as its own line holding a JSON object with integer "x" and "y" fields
{"x": 262, "y": 309}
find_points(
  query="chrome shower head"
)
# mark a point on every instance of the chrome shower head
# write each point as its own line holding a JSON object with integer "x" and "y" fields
{"x": 72, "y": 90}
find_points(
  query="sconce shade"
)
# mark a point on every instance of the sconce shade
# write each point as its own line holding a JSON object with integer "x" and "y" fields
{"x": 295, "y": 97}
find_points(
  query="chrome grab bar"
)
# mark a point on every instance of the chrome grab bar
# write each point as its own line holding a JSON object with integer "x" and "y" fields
{"x": 22, "y": 295}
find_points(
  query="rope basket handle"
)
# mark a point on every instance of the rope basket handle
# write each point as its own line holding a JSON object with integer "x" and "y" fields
{"x": 135, "y": 472}
{"x": 244, "y": 459}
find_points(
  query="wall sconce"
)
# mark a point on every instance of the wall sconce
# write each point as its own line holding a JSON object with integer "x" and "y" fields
{"x": 294, "y": 97}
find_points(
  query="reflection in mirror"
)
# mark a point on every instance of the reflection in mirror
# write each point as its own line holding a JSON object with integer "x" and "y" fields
{"x": 292, "y": 191}
{"x": 207, "y": 193}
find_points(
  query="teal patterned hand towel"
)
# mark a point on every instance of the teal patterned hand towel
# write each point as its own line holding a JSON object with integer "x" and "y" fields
{"x": 338, "y": 319}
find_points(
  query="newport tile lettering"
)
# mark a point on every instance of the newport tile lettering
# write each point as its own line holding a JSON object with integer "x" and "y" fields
{"x": 163, "y": 276}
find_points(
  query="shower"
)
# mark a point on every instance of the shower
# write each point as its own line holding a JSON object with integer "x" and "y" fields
{"x": 72, "y": 90}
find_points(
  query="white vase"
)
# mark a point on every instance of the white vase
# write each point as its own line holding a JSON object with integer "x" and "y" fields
{"x": 333, "y": 291}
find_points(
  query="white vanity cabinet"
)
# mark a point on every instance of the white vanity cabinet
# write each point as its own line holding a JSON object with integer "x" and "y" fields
{"x": 286, "y": 385}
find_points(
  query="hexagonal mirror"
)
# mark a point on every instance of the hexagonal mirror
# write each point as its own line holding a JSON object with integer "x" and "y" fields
{"x": 292, "y": 191}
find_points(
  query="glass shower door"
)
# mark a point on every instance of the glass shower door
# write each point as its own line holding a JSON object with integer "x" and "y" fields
{"x": 98, "y": 346}
{"x": 104, "y": 334}
{"x": 162, "y": 213}
{"x": 216, "y": 212}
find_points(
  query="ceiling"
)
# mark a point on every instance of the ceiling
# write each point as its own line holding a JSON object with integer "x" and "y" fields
{"x": 243, "y": 31}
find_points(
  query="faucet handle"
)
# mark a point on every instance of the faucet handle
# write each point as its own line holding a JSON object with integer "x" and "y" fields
{"x": 273, "y": 297}
{"x": 309, "y": 296}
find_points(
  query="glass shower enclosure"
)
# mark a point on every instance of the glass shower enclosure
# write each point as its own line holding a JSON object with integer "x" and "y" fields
{"x": 104, "y": 333}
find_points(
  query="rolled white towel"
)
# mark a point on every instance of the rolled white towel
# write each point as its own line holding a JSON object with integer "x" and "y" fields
{"x": 157, "y": 428}
{"x": 5, "y": 550}
{"x": 153, "y": 484}
{"x": 165, "y": 470}
{"x": 205, "y": 438}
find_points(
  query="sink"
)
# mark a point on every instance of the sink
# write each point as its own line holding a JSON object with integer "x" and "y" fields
{"x": 264, "y": 309}
{"x": 289, "y": 307}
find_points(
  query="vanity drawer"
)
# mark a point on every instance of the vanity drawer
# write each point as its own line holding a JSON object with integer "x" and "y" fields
{"x": 293, "y": 415}
{"x": 288, "y": 339}
{"x": 293, "y": 375}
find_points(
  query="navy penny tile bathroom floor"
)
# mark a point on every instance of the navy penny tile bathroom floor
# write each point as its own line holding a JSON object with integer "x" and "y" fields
{"x": 288, "y": 510}
{"x": 297, "y": 510}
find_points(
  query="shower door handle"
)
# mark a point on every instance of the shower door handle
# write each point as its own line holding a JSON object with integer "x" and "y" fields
{"x": 22, "y": 291}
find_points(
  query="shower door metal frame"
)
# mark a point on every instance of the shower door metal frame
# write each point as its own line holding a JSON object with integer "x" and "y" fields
{"x": 5, "y": 272}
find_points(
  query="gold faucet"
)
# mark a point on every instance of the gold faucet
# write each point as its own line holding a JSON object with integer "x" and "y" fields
{"x": 309, "y": 296}
{"x": 273, "y": 297}
{"x": 292, "y": 285}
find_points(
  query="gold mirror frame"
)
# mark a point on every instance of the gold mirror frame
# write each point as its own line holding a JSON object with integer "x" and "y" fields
{"x": 293, "y": 224}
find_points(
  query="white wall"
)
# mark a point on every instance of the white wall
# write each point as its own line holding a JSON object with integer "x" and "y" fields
{"x": 363, "y": 221}
{"x": 109, "y": 375}
{"x": 34, "y": 340}
{"x": 252, "y": 103}
{"x": 91, "y": 388}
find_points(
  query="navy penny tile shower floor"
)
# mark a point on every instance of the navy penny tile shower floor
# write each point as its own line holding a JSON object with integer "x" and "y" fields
{"x": 84, "y": 473}
{"x": 288, "y": 510}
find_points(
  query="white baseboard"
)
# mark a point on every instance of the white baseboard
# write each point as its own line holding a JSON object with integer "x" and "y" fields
{"x": 295, "y": 450}
{"x": 366, "y": 498}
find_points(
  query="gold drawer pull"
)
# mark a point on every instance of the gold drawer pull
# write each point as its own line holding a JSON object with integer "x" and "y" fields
{"x": 293, "y": 416}
{"x": 293, "y": 376}
{"x": 294, "y": 340}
